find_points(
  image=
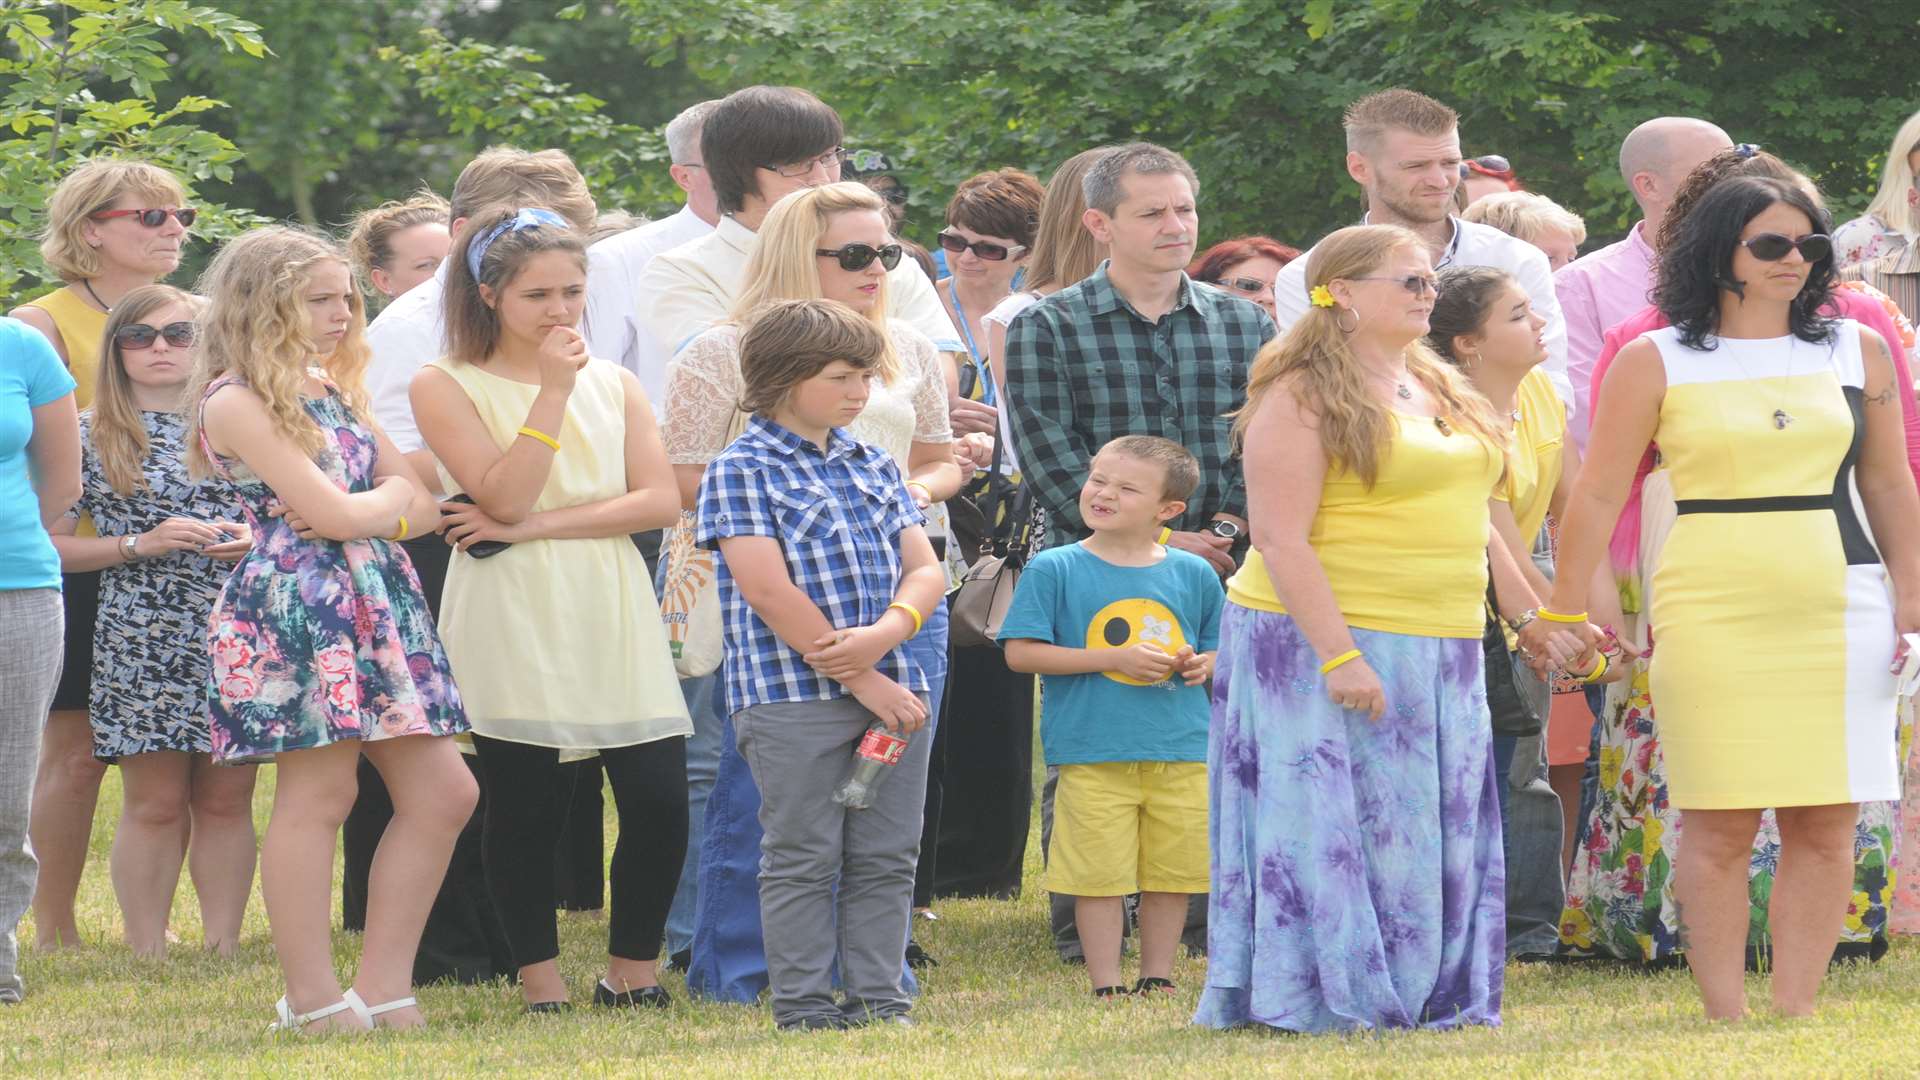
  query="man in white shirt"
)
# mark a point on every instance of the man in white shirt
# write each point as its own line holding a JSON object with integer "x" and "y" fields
{"x": 759, "y": 144}
{"x": 412, "y": 329}
{"x": 613, "y": 327}
{"x": 1403, "y": 148}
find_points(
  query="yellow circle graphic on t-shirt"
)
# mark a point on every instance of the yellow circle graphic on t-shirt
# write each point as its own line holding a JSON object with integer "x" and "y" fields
{"x": 1125, "y": 623}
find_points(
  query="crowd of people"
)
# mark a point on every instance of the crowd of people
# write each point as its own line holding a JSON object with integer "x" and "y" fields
{"x": 1338, "y": 576}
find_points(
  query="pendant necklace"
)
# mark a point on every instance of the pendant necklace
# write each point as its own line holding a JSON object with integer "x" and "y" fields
{"x": 88, "y": 285}
{"x": 1400, "y": 387}
{"x": 1781, "y": 417}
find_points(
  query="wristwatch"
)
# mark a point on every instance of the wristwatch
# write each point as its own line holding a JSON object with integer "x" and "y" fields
{"x": 1526, "y": 617}
{"x": 1222, "y": 528}
{"x": 127, "y": 543}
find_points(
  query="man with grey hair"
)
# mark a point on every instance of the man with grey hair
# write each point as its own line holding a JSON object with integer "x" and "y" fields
{"x": 1602, "y": 289}
{"x": 613, "y": 325}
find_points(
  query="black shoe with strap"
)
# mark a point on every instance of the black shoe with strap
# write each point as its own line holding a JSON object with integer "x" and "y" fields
{"x": 1154, "y": 985}
{"x": 650, "y": 997}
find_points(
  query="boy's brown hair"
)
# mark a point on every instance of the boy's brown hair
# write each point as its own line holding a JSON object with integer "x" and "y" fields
{"x": 787, "y": 342}
{"x": 1177, "y": 463}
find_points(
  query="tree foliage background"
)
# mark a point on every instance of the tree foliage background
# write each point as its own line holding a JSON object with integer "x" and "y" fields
{"x": 313, "y": 109}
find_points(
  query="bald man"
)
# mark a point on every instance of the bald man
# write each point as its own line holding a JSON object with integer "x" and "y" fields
{"x": 1601, "y": 290}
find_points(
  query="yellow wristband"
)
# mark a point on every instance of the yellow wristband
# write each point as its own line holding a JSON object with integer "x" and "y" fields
{"x": 1554, "y": 616}
{"x": 1344, "y": 658}
{"x": 918, "y": 619}
{"x": 402, "y": 534}
{"x": 1598, "y": 669}
{"x": 1166, "y": 532}
{"x": 924, "y": 489}
{"x": 540, "y": 436}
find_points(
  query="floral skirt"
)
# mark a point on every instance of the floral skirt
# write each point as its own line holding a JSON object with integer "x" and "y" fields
{"x": 1620, "y": 889}
{"x": 1358, "y": 881}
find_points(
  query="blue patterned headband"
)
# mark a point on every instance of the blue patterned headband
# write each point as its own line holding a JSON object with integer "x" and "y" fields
{"x": 529, "y": 217}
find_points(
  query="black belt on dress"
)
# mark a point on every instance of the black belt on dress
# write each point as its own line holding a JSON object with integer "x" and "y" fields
{"x": 1767, "y": 505}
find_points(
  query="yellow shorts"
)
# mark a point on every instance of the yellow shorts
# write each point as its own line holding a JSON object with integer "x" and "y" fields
{"x": 1123, "y": 827}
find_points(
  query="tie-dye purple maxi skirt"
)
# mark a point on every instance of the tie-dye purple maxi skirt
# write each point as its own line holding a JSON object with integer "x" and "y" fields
{"x": 1357, "y": 874}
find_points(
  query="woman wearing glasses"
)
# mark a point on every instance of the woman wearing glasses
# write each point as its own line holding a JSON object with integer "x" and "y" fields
{"x": 166, "y": 543}
{"x": 112, "y": 227}
{"x": 1769, "y": 417}
{"x": 1245, "y": 267}
{"x": 829, "y": 242}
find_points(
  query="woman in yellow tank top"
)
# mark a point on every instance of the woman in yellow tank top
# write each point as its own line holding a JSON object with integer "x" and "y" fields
{"x": 1357, "y": 865}
{"x": 112, "y": 227}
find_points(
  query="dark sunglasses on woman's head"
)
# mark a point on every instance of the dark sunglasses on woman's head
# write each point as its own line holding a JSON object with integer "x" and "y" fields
{"x": 1772, "y": 247}
{"x": 1492, "y": 165}
{"x": 991, "y": 252}
{"x": 1417, "y": 284}
{"x": 1245, "y": 284}
{"x": 152, "y": 219}
{"x": 141, "y": 336}
{"x": 861, "y": 256}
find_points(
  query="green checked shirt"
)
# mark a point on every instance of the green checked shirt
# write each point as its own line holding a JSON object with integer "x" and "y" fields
{"x": 1083, "y": 368}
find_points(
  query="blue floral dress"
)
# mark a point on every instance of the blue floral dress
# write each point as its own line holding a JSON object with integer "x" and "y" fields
{"x": 318, "y": 641}
{"x": 149, "y": 643}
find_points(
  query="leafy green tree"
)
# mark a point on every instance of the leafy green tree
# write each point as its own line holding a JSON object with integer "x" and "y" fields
{"x": 80, "y": 80}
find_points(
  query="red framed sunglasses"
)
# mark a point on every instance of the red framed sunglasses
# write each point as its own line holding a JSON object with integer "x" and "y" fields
{"x": 152, "y": 219}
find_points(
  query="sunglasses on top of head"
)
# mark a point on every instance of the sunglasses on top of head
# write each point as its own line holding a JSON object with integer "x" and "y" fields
{"x": 1491, "y": 165}
{"x": 137, "y": 336}
{"x": 152, "y": 219}
{"x": 955, "y": 243}
{"x": 1772, "y": 247}
{"x": 860, "y": 256}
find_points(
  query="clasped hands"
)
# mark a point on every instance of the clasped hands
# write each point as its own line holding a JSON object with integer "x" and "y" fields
{"x": 1575, "y": 648}
{"x": 847, "y": 657}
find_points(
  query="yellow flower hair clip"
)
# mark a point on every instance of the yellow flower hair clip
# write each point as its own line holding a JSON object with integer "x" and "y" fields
{"x": 1320, "y": 296}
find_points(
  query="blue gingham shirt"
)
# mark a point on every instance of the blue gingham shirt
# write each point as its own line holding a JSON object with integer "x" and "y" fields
{"x": 838, "y": 516}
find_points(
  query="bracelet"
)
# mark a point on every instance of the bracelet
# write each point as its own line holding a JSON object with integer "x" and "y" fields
{"x": 1166, "y": 532}
{"x": 1520, "y": 623}
{"x": 540, "y": 436}
{"x": 924, "y": 489}
{"x": 1344, "y": 658}
{"x": 1554, "y": 616}
{"x": 1598, "y": 670}
{"x": 919, "y": 620}
{"x": 402, "y": 534}
{"x": 129, "y": 547}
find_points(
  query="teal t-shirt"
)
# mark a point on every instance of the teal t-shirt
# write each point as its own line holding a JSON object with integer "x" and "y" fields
{"x": 1070, "y": 597}
{"x": 31, "y": 375}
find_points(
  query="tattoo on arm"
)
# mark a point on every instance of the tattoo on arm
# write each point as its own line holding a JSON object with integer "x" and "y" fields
{"x": 1884, "y": 397}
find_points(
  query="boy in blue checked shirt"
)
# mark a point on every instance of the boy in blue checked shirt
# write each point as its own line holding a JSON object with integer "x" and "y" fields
{"x": 824, "y": 572}
{"x": 1123, "y": 630}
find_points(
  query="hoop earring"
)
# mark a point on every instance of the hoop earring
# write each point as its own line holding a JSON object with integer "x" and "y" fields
{"x": 1346, "y": 329}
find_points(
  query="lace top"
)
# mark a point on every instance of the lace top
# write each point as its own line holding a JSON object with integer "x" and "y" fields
{"x": 704, "y": 388}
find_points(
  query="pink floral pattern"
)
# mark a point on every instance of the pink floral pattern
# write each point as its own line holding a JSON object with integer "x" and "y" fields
{"x": 315, "y": 641}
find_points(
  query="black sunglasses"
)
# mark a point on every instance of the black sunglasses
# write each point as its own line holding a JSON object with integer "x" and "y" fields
{"x": 956, "y": 244}
{"x": 1772, "y": 247}
{"x": 152, "y": 219}
{"x": 141, "y": 336}
{"x": 1245, "y": 284}
{"x": 1417, "y": 284}
{"x": 861, "y": 256}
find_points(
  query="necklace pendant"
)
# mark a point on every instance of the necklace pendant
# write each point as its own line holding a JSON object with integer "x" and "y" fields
{"x": 1441, "y": 423}
{"x": 1781, "y": 418}
{"x": 1405, "y": 391}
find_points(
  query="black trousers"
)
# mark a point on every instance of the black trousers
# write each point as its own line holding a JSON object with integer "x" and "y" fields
{"x": 526, "y": 812}
{"x": 984, "y": 752}
{"x": 580, "y": 856}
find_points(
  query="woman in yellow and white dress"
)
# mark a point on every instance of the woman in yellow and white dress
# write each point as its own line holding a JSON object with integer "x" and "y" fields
{"x": 1777, "y": 427}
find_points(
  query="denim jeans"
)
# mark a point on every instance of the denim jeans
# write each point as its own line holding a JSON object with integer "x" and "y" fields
{"x": 703, "y": 764}
{"x": 1530, "y": 823}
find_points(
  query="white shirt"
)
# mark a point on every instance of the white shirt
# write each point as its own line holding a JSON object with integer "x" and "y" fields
{"x": 409, "y": 333}
{"x": 612, "y": 325}
{"x": 1004, "y": 313}
{"x": 1473, "y": 245}
{"x": 693, "y": 286}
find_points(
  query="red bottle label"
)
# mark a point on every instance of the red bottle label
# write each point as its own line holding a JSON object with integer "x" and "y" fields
{"x": 882, "y": 747}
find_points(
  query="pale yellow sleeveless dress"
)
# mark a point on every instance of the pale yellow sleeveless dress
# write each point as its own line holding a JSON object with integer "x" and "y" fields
{"x": 559, "y": 642}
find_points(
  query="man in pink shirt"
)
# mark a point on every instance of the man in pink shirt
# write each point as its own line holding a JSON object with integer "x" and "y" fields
{"x": 1600, "y": 290}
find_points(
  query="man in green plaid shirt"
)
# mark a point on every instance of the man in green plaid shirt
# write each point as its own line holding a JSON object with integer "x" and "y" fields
{"x": 1136, "y": 349}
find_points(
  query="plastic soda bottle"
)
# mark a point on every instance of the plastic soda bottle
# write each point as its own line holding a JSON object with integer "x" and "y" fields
{"x": 879, "y": 751}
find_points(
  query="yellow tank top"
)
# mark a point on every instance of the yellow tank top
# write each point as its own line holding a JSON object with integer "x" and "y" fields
{"x": 1408, "y": 555}
{"x": 81, "y": 329}
{"x": 1539, "y": 442}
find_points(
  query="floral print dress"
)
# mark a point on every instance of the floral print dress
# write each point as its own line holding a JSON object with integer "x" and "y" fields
{"x": 318, "y": 641}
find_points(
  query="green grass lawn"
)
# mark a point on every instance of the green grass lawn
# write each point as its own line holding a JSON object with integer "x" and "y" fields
{"x": 999, "y": 1005}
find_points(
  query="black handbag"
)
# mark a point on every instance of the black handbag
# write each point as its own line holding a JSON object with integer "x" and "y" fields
{"x": 1517, "y": 698}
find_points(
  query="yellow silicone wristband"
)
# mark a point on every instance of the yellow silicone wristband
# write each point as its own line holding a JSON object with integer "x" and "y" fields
{"x": 918, "y": 619}
{"x": 1344, "y": 658}
{"x": 540, "y": 436}
{"x": 1598, "y": 669}
{"x": 1554, "y": 616}
{"x": 924, "y": 489}
{"x": 402, "y": 534}
{"x": 1166, "y": 533}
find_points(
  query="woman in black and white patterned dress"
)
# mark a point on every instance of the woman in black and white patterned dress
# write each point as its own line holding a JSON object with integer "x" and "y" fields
{"x": 166, "y": 543}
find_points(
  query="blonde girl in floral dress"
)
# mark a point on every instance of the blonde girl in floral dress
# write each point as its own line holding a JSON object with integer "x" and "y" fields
{"x": 322, "y": 646}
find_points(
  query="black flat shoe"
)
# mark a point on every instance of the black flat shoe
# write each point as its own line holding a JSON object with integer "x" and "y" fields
{"x": 549, "y": 1008}
{"x": 917, "y": 957}
{"x": 814, "y": 1023}
{"x": 1154, "y": 985}
{"x": 681, "y": 961}
{"x": 1108, "y": 993}
{"x": 651, "y": 997}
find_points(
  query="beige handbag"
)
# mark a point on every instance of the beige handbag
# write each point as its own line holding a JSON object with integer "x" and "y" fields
{"x": 690, "y": 591}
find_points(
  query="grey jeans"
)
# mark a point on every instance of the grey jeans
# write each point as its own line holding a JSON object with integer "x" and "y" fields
{"x": 32, "y": 632}
{"x": 799, "y": 752}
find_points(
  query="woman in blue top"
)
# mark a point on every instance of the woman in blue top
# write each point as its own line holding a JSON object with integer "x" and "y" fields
{"x": 39, "y": 480}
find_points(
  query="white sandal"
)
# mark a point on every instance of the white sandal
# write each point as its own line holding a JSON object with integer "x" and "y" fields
{"x": 289, "y": 1021}
{"x": 367, "y": 1012}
